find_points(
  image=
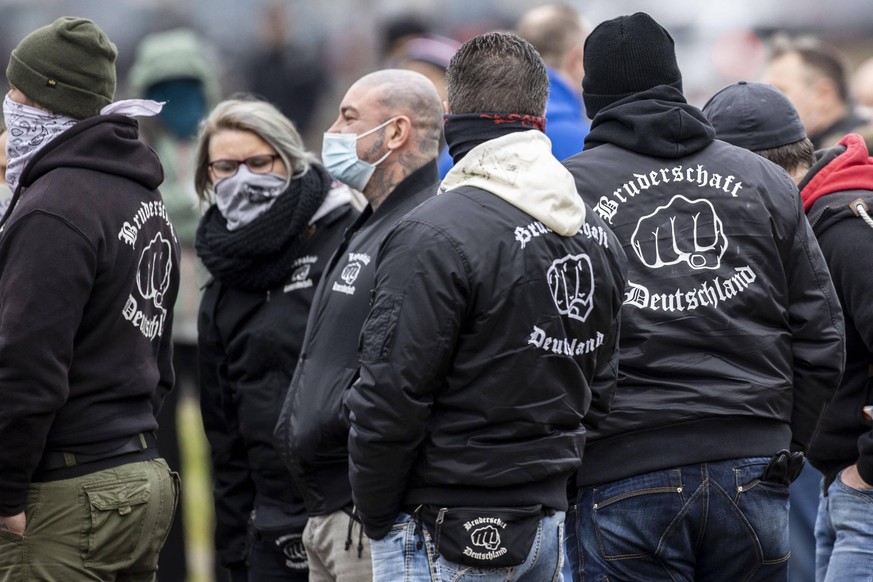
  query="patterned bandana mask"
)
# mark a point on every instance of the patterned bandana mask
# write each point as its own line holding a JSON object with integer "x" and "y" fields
{"x": 245, "y": 196}
{"x": 29, "y": 130}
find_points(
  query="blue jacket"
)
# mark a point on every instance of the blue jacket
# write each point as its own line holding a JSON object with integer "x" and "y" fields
{"x": 566, "y": 124}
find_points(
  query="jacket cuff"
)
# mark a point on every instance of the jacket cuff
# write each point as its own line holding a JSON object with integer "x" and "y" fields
{"x": 375, "y": 530}
{"x": 12, "y": 502}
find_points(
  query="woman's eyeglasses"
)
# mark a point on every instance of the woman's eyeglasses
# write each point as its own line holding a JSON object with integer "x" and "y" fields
{"x": 262, "y": 164}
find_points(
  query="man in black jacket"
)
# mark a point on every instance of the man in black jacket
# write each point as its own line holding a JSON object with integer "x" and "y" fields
{"x": 836, "y": 186}
{"x": 731, "y": 339}
{"x": 88, "y": 281}
{"x": 384, "y": 143}
{"x": 489, "y": 348}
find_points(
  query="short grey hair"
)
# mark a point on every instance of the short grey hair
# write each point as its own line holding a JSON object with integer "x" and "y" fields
{"x": 264, "y": 120}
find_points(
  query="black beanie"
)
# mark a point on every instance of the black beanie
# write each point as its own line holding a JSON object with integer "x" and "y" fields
{"x": 625, "y": 56}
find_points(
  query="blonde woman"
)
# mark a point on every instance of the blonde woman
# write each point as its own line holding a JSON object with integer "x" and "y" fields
{"x": 276, "y": 217}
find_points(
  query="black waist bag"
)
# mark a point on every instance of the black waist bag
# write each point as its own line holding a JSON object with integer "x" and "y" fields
{"x": 483, "y": 537}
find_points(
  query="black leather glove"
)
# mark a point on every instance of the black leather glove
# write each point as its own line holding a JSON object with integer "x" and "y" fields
{"x": 784, "y": 467}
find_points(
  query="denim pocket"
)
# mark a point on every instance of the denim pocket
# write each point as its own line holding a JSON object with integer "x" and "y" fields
{"x": 401, "y": 524}
{"x": 847, "y": 510}
{"x": 764, "y": 506}
{"x": 397, "y": 537}
{"x": 392, "y": 554}
{"x": 632, "y": 515}
{"x": 447, "y": 570}
{"x": 748, "y": 475}
{"x": 848, "y": 489}
{"x": 117, "y": 510}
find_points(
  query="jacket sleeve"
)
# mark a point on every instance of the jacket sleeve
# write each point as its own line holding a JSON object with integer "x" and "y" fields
{"x": 233, "y": 488}
{"x": 405, "y": 349}
{"x": 45, "y": 281}
{"x": 817, "y": 329}
{"x": 605, "y": 380}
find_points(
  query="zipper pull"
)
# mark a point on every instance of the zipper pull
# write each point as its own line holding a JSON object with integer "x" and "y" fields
{"x": 439, "y": 530}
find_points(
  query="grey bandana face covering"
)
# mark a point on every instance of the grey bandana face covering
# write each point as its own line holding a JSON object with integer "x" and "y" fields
{"x": 30, "y": 129}
{"x": 245, "y": 196}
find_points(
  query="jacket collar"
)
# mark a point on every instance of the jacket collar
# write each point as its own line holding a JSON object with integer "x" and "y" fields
{"x": 520, "y": 169}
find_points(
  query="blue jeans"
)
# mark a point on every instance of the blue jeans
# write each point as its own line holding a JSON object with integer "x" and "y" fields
{"x": 397, "y": 558}
{"x": 571, "y": 546}
{"x": 713, "y": 521}
{"x": 803, "y": 496}
{"x": 844, "y": 535}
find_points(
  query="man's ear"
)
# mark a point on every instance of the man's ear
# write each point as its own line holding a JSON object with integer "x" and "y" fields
{"x": 398, "y": 133}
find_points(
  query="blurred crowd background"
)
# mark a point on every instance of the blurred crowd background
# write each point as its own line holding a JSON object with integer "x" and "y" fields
{"x": 313, "y": 49}
{"x": 304, "y": 54}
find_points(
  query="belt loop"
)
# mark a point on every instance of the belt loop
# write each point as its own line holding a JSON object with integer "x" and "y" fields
{"x": 142, "y": 441}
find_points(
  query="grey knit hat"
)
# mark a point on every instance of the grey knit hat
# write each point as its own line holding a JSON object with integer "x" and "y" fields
{"x": 68, "y": 67}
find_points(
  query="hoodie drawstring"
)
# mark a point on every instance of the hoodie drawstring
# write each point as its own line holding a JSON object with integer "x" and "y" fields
{"x": 859, "y": 207}
{"x": 349, "y": 535}
{"x": 352, "y": 521}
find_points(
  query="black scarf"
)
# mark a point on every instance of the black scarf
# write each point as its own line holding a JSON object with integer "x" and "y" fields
{"x": 467, "y": 130}
{"x": 259, "y": 255}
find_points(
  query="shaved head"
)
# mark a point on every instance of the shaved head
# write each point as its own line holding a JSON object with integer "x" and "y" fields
{"x": 403, "y": 92}
{"x": 397, "y": 117}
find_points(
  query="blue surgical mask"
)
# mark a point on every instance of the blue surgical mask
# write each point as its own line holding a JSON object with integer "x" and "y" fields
{"x": 339, "y": 154}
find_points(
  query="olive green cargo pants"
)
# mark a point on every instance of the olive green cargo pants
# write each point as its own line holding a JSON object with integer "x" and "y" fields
{"x": 108, "y": 525}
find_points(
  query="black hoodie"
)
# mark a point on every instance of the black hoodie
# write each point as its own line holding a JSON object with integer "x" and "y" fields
{"x": 88, "y": 278}
{"x": 731, "y": 339}
{"x": 842, "y": 175}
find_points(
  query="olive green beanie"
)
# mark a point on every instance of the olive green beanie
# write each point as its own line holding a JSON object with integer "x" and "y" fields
{"x": 68, "y": 67}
